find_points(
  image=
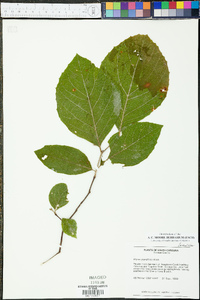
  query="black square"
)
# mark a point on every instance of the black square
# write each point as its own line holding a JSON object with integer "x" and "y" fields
{"x": 195, "y": 12}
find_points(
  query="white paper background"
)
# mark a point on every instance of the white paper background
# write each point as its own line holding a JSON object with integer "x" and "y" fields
{"x": 126, "y": 204}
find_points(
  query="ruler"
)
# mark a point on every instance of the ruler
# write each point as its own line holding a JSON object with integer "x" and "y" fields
{"x": 51, "y": 10}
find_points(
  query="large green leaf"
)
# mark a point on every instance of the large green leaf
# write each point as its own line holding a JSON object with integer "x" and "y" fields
{"x": 64, "y": 159}
{"x": 87, "y": 102}
{"x": 135, "y": 144}
{"x": 141, "y": 72}
{"x": 58, "y": 195}
{"x": 69, "y": 227}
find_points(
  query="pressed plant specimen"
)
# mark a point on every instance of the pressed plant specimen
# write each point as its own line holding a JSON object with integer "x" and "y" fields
{"x": 130, "y": 84}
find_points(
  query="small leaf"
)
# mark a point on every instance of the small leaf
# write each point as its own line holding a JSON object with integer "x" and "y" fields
{"x": 69, "y": 227}
{"x": 58, "y": 195}
{"x": 64, "y": 159}
{"x": 135, "y": 144}
{"x": 87, "y": 101}
{"x": 140, "y": 71}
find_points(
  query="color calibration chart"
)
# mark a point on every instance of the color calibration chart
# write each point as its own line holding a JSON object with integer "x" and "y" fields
{"x": 156, "y": 9}
{"x": 128, "y": 9}
{"x": 187, "y": 9}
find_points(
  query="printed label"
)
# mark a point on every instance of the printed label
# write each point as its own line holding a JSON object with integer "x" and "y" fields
{"x": 96, "y": 287}
{"x": 163, "y": 270}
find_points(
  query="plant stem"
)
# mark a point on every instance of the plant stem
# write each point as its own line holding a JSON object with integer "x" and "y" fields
{"x": 61, "y": 238}
{"x": 99, "y": 161}
{"x": 105, "y": 149}
{"x": 55, "y": 213}
{"x": 89, "y": 191}
{"x": 59, "y": 250}
{"x": 100, "y": 157}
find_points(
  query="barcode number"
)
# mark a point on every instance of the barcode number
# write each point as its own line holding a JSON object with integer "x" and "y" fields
{"x": 92, "y": 292}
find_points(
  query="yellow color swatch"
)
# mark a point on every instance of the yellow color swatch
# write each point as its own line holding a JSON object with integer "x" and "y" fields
{"x": 180, "y": 4}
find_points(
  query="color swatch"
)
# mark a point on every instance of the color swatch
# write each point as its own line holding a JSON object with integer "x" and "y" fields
{"x": 178, "y": 9}
{"x": 126, "y": 10}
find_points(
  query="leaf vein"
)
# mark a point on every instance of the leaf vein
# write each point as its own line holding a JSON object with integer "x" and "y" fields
{"x": 139, "y": 139}
{"x": 73, "y": 94}
{"x": 75, "y": 85}
{"x": 141, "y": 105}
{"x": 127, "y": 95}
{"x": 104, "y": 109}
{"x": 81, "y": 108}
{"x": 99, "y": 96}
{"x": 75, "y": 116}
{"x": 88, "y": 98}
{"x": 118, "y": 74}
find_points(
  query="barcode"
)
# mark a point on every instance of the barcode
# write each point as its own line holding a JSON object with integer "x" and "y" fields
{"x": 93, "y": 292}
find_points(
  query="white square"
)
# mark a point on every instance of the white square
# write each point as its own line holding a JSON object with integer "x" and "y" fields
{"x": 157, "y": 12}
{"x": 165, "y": 12}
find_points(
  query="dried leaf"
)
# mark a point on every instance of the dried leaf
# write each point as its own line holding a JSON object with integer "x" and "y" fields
{"x": 58, "y": 195}
{"x": 64, "y": 159}
{"x": 135, "y": 144}
{"x": 69, "y": 227}
{"x": 140, "y": 71}
{"x": 87, "y": 101}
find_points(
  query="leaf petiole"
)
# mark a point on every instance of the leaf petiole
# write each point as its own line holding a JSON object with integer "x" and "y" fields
{"x": 55, "y": 213}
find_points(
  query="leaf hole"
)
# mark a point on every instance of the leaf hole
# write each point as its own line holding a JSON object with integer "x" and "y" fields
{"x": 163, "y": 90}
{"x": 73, "y": 90}
{"x": 44, "y": 157}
